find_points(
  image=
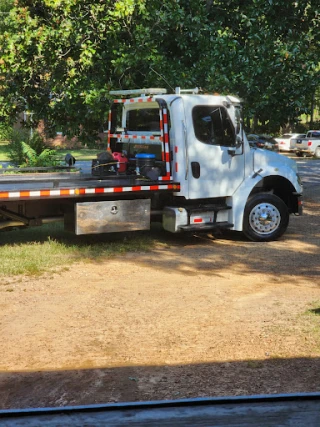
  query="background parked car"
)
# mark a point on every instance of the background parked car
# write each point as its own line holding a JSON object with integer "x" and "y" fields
{"x": 263, "y": 141}
{"x": 254, "y": 141}
{"x": 284, "y": 141}
{"x": 293, "y": 140}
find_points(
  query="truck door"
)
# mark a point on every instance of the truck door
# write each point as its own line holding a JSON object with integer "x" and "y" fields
{"x": 212, "y": 170}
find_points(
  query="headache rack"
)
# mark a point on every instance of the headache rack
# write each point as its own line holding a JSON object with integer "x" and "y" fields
{"x": 150, "y": 136}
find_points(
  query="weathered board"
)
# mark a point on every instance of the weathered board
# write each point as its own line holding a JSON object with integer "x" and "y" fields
{"x": 253, "y": 411}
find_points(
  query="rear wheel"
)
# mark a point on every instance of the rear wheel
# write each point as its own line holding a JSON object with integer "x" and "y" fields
{"x": 298, "y": 154}
{"x": 266, "y": 218}
{"x": 317, "y": 153}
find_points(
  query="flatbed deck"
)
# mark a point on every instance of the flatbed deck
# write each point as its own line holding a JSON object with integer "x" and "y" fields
{"x": 74, "y": 183}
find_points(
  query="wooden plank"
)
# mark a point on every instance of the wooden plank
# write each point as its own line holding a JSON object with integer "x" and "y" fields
{"x": 255, "y": 411}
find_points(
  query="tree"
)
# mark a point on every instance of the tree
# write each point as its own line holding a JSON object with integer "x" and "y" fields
{"x": 5, "y": 7}
{"x": 60, "y": 58}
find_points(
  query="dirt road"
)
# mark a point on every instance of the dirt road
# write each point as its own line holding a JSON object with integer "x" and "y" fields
{"x": 199, "y": 316}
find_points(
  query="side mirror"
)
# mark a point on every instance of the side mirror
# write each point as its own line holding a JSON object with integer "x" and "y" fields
{"x": 239, "y": 141}
{"x": 232, "y": 151}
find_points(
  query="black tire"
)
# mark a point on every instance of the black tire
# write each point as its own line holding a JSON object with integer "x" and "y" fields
{"x": 266, "y": 218}
{"x": 317, "y": 153}
{"x": 298, "y": 154}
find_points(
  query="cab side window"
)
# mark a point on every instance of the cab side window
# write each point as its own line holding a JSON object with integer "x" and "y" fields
{"x": 212, "y": 125}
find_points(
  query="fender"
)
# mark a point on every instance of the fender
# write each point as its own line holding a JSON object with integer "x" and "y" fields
{"x": 274, "y": 166}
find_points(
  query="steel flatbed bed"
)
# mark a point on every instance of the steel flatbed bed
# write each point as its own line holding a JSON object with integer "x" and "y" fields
{"x": 26, "y": 186}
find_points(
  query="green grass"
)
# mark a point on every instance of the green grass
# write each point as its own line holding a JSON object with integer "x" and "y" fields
{"x": 33, "y": 251}
{"x": 314, "y": 310}
{"x": 78, "y": 153}
{"x": 4, "y": 157}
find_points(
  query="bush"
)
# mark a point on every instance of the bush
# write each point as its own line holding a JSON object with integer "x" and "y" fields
{"x": 26, "y": 150}
{"x": 47, "y": 157}
{"x": 15, "y": 147}
{"x": 5, "y": 132}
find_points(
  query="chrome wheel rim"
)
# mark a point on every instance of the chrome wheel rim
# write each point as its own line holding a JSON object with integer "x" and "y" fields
{"x": 264, "y": 218}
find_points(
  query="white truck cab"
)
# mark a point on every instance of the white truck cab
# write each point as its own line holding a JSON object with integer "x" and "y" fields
{"x": 198, "y": 141}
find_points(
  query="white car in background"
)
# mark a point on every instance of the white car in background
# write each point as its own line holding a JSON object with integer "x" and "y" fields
{"x": 284, "y": 141}
{"x": 293, "y": 141}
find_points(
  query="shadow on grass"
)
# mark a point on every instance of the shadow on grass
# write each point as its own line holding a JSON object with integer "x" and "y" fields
{"x": 36, "y": 250}
{"x": 315, "y": 311}
{"x": 184, "y": 253}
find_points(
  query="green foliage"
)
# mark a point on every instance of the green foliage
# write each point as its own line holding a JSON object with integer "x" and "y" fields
{"x": 5, "y": 132}
{"x": 47, "y": 157}
{"x": 15, "y": 145}
{"x": 30, "y": 151}
{"x": 5, "y": 7}
{"x": 60, "y": 58}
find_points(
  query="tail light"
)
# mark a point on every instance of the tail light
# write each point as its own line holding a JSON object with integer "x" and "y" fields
{"x": 309, "y": 143}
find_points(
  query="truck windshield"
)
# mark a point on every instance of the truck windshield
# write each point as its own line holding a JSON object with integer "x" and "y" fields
{"x": 313, "y": 134}
{"x": 212, "y": 125}
{"x": 143, "y": 120}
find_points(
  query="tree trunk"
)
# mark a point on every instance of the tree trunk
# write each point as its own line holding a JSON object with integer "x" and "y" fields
{"x": 312, "y": 110}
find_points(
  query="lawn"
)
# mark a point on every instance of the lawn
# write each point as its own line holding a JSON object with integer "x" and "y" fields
{"x": 36, "y": 250}
{"x": 78, "y": 153}
{"x": 4, "y": 152}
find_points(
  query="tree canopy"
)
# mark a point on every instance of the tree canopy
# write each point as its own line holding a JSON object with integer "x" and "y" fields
{"x": 60, "y": 58}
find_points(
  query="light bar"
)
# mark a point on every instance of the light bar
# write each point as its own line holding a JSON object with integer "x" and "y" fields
{"x": 194, "y": 91}
{"x": 149, "y": 91}
{"x": 233, "y": 99}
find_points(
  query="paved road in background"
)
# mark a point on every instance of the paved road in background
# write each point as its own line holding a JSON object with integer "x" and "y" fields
{"x": 309, "y": 170}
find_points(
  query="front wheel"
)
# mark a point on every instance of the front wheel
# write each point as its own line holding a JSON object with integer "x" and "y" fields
{"x": 266, "y": 218}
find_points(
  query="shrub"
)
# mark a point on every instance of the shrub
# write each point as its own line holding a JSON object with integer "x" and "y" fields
{"x": 47, "y": 157}
{"x": 5, "y": 131}
{"x": 26, "y": 150}
{"x": 15, "y": 147}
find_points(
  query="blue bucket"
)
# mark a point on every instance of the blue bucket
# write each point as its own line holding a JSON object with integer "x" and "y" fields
{"x": 145, "y": 156}
{"x": 145, "y": 163}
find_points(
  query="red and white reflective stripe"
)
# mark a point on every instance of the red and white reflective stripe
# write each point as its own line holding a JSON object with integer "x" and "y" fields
{"x": 144, "y": 137}
{"x": 65, "y": 192}
{"x": 166, "y": 153}
{"x": 109, "y": 130}
{"x": 161, "y": 130}
{"x": 131, "y": 100}
{"x": 176, "y": 163}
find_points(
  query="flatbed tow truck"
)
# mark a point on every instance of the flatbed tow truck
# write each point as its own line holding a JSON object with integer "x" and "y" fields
{"x": 182, "y": 159}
